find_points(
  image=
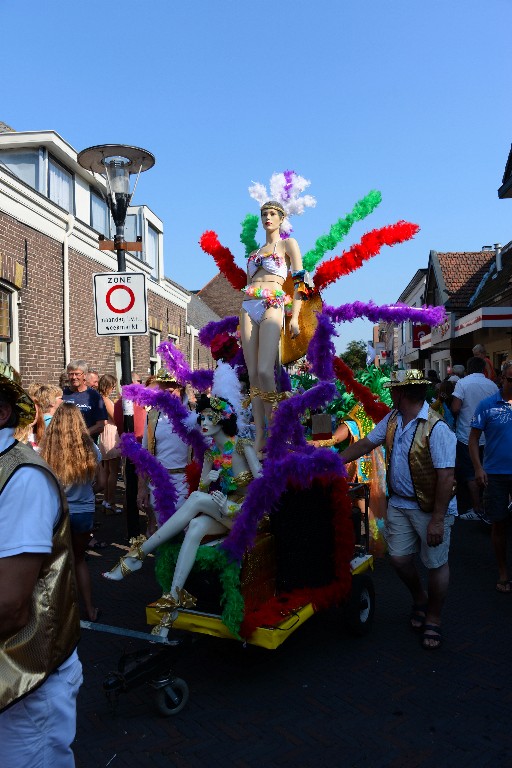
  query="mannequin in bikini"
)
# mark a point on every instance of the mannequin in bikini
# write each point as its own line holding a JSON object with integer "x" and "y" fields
{"x": 262, "y": 314}
{"x": 228, "y": 468}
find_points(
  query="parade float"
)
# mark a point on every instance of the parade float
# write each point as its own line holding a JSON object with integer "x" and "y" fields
{"x": 298, "y": 539}
{"x": 293, "y": 546}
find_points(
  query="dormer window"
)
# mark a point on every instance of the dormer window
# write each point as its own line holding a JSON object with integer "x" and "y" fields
{"x": 100, "y": 215}
{"x": 60, "y": 185}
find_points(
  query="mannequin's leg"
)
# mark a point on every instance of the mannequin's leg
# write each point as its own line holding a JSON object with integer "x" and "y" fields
{"x": 249, "y": 334}
{"x": 196, "y": 503}
{"x": 270, "y": 333}
{"x": 198, "y": 528}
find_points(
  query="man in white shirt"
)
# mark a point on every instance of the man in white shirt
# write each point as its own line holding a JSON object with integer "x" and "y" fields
{"x": 468, "y": 393}
{"x": 420, "y": 461}
{"x": 40, "y": 672}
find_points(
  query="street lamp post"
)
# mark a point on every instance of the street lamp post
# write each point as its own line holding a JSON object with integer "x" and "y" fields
{"x": 116, "y": 163}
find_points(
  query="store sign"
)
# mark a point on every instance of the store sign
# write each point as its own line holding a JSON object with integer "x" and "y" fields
{"x": 443, "y": 332}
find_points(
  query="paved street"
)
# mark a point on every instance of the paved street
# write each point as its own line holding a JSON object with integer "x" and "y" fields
{"x": 323, "y": 698}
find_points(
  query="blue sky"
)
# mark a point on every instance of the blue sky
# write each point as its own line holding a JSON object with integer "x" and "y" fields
{"x": 411, "y": 98}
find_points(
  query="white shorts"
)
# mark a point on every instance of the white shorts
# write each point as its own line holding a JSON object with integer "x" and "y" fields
{"x": 37, "y": 731}
{"x": 406, "y": 534}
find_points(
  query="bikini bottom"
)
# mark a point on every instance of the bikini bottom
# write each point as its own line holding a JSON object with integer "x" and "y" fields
{"x": 255, "y": 308}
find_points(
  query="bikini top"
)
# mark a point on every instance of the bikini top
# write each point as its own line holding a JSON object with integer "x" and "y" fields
{"x": 272, "y": 263}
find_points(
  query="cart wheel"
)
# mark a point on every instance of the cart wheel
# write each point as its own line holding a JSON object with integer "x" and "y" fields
{"x": 360, "y": 607}
{"x": 172, "y": 697}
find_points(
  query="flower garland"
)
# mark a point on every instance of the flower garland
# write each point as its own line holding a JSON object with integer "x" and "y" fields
{"x": 175, "y": 411}
{"x": 145, "y": 463}
{"x": 222, "y": 461}
{"x": 373, "y": 408}
{"x": 340, "y": 229}
{"x": 369, "y": 246}
{"x": 248, "y": 235}
{"x": 177, "y": 364}
{"x": 224, "y": 259}
{"x": 273, "y": 297}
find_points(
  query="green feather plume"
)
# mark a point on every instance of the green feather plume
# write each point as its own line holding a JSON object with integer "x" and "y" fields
{"x": 247, "y": 237}
{"x": 340, "y": 229}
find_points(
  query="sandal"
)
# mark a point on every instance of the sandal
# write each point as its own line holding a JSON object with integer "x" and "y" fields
{"x": 417, "y": 617}
{"x": 504, "y": 586}
{"x": 431, "y": 633}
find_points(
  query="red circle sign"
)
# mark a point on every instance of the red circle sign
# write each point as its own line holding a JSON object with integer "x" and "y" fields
{"x": 131, "y": 299}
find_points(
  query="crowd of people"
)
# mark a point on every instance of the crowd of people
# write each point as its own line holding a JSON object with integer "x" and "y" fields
{"x": 59, "y": 451}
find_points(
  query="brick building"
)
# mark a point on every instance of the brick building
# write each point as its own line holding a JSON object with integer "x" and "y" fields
{"x": 51, "y": 214}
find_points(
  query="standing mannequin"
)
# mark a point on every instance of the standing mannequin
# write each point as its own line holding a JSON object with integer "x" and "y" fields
{"x": 209, "y": 511}
{"x": 262, "y": 314}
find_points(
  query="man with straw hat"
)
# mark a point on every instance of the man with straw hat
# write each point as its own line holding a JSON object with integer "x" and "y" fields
{"x": 420, "y": 462}
{"x": 40, "y": 672}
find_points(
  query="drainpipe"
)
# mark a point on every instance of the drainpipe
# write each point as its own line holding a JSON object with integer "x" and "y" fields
{"x": 497, "y": 251}
{"x": 65, "y": 261}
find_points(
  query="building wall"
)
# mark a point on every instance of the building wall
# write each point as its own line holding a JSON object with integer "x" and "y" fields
{"x": 40, "y": 310}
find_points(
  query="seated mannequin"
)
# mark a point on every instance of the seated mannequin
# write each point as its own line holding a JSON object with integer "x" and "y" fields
{"x": 228, "y": 467}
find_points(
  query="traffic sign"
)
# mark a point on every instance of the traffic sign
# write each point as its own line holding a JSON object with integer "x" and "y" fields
{"x": 120, "y": 303}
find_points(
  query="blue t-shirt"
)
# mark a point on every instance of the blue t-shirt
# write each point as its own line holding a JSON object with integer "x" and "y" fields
{"x": 494, "y": 417}
{"x": 90, "y": 403}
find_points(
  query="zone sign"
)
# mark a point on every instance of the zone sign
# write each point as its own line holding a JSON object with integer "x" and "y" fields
{"x": 120, "y": 303}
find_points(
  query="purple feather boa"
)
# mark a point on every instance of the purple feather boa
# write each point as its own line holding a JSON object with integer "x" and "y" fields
{"x": 145, "y": 463}
{"x": 173, "y": 409}
{"x": 321, "y": 348}
{"x": 211, "y": 330}
{"x": 289, "y": 459}
{"x": 177, "y": 365}
{"x": 265, "y": 491}
{"x": 287, "y": 431}
{"x": 391, "y": 313}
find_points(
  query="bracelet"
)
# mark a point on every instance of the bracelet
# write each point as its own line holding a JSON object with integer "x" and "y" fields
{"x": 203, "y": 486}
{"x": 326, "y": 443}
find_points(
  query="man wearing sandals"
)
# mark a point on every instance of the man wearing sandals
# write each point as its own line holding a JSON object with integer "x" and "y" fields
{"x": 420, "y": 462}
{"x": 40, "y": 672}
{"x": 493, "y": 418}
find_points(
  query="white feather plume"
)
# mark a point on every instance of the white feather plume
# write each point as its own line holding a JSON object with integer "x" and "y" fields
{"x": 227, "y": 385}
{"x": 290, "y": 199}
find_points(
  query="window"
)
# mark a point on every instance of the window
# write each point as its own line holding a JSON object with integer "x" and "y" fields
{"x": 100, "y": 215}
{"x": 131, "y": 232}
{"x": 152, "y": 250}
{"x": 23, "y": 164}
{"x": 154, "y": 359}
{"x": 60, "y": 185}
{"x": 8, "y": 327}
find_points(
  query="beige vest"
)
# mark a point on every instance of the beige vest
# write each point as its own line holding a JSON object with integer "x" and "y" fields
{"x": 29, "y": 656}
{"x": 423, "y": 472}
{"x": 153, "y": 416}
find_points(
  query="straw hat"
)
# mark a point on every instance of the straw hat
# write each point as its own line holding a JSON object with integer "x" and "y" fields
{"x": 163, "y": 375}
{"x": 10, "y": 383}
{"x": 404, "y": 378}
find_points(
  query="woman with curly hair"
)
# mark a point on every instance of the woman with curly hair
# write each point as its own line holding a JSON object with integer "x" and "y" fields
{"x": 70, "y": 452}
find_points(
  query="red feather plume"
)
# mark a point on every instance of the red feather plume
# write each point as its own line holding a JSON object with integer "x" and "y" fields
{"x": 224, "y": 259}
{"x": 369, "y": 246}
{"x": 375, "y": 409}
